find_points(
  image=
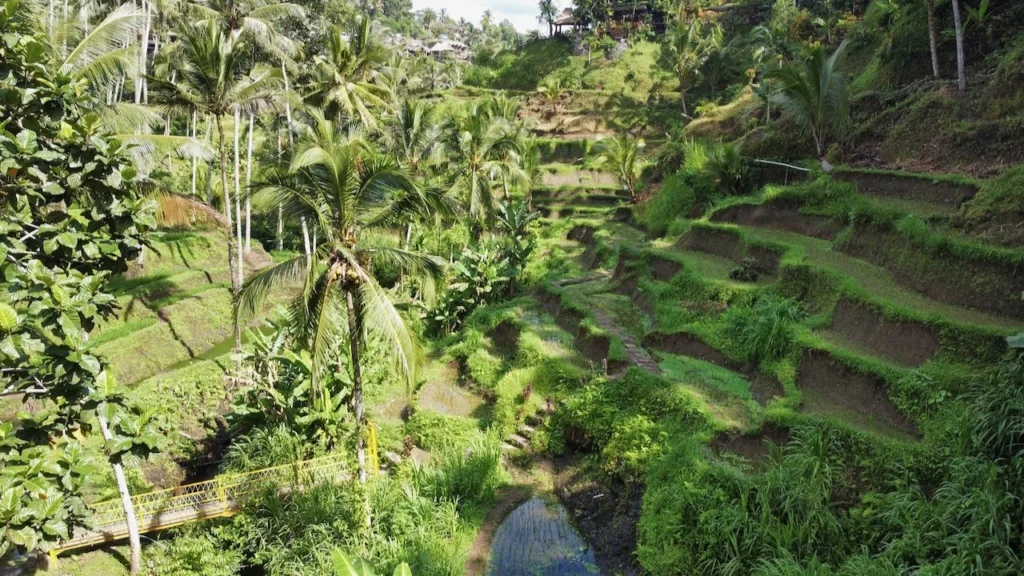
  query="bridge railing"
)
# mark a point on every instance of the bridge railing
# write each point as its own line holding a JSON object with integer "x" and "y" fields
{"x": 218, "y": 497}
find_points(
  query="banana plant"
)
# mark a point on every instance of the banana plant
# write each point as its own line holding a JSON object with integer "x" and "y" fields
{"x": 345, "y": 566}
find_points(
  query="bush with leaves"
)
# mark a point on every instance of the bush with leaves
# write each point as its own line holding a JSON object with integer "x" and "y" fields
{"x": 730, "y": 170}
{"x": 192, "y": 555}
{"x": 71, "y": 214}
{"x": 476, "y": 279}
{"x": 276, "y": 377}
{"x": 764, "y": 330}
{"x": 518, "y": 240}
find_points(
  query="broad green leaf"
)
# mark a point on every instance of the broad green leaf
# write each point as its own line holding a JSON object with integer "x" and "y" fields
{"x": 402, "y": 570}
{"x": 105, "y": 384}
{"x": 8, "y": 317}
{"x": 27, "y": 141}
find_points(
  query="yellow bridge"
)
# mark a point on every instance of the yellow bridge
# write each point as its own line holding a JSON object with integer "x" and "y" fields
{"x": 222, "y": 496}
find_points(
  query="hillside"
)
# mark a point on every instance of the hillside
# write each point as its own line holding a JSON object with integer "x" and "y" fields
{"x": 731, "y": 289}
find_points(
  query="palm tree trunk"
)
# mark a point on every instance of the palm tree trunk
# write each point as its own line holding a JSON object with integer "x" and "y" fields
{"x": 126, "y": 502}
{"x": 227, "y": 212}
{"x": 961, "y": 76}
{"x": 195, "y": 161}
{"x": 932, "y": 36}
{"x": 305, "y": 242}
{"x": 287, "y": 106}
{"x": 280, "y": 227}
{"x": 248, "y": 183}
{"x": 238, "y": 205}
{"x": 682, "y": 96}
{"x": 143, "y": 48}
{"x": 357, "y": 382}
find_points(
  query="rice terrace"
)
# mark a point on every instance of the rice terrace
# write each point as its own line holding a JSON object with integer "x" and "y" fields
{"x": 565, "y": 287}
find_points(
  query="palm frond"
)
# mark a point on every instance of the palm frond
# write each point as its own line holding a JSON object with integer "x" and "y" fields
{"x": 253, "y": 295}
{"x": 159, "y": 144}
{"x": 117, "y": 30}
{"x": 123, "y": 117}
{"x": 103, "y": 70}
{"x": 382, "y": 320}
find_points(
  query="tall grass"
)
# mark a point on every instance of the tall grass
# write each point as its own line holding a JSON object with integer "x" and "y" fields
{"x": 764, "y": 331}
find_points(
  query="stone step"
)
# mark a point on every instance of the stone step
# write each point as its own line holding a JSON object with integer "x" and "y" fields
{"x": 526, "y": 430}
{"x": 506, "y": 447}
{"x": 535, "y": 420}
{"x": 517, "y": 440}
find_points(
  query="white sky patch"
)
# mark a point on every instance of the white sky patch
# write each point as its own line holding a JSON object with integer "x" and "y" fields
{"x": 522, "y": 13}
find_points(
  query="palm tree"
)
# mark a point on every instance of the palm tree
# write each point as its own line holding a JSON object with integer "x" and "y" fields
{"x": 933, "y": 36}
{"x": 350, "y": 191}
{"x": 622, "y": 154}
{"x": 770, "y": 45}
{"x": 256, "y": 20}
{"x": 961, "y": 76}
{"x": 548, "y": 13}
{"x": 688, "y": 48}
{"x": 101, "y": 55}
{"x": 346, "y": 85}
{"x": 412, "y": 136}
{"x": 207, "y": 83}
{"x": 479, "y": 149}
{"x": 815, "y": 93}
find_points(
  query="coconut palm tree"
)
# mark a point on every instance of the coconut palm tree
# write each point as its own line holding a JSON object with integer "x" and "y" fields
{"x": 349, "y": 190}
{"x": 622, "y": 155}
{"x": 815, "y": 92}
{"x": 256, "y": 20}
{"x": 100, "y": 54}
{"x": 412, "y": 135}
{"x": 207, "y": 83}
{"x": 346, "y": 83}
{"x": 688, "y": 48}
{"x": 480, "y": 148}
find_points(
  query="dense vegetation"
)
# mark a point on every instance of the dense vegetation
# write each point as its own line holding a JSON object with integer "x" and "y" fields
{"x": 740, "y": 283}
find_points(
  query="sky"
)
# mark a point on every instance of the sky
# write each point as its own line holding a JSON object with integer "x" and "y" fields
{"x": 522, "y": 13}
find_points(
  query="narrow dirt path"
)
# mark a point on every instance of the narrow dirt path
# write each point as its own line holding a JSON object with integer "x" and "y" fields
{"x": 634, "y": 352}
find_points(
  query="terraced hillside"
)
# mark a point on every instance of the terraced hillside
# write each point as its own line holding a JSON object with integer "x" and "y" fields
{"x": 895, "y": 306}
{"x": 172, "y": 339}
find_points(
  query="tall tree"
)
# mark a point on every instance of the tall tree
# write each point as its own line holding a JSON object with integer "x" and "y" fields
{"x": 548, "y": 13}
{"x": 622, "y": 156}
{"x": 479, "y": 147}
{"x": 961, "y": 74}
{"x": 816, "y": 93}
{"x": 349, "y": 190}
{"x": 688, "y": 47}
{"x": 933, "y": 36}
{"x": 208, "y": 82}
{"x": 345, "y": 81}
{"x": 73, "y": 215}
{"x": 256, "y": 20}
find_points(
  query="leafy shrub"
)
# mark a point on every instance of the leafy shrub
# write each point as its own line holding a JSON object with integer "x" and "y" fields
{"x": 434, "y": 431}
{"x": 635, "y": 442}
{"x": 671, "y": 157}
{"x": 748, "y": 271}
{"x": 730, "y": 170}
{"x": 484, "y": 368}
{"x": 464, "y": 475}
{"x": 192, "y": 555}
{"x": 675, "y": 199}
{"x": 477, "y": 278}
{"x": 765, "y": 330}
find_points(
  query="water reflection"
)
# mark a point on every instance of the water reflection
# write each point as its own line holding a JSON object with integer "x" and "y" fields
{"x": 536, "y": 539}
